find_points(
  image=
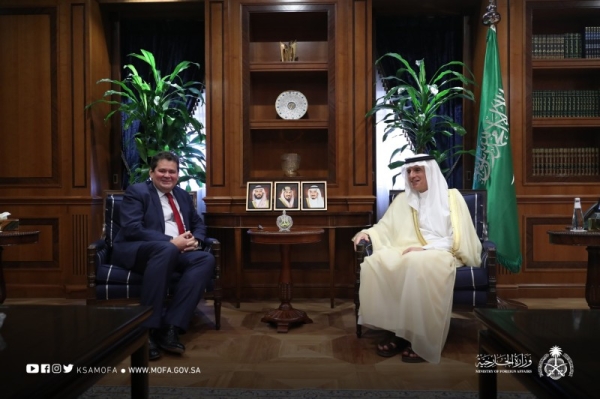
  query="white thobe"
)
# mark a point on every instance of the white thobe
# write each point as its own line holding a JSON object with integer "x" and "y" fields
{"x": 411, "y": 294}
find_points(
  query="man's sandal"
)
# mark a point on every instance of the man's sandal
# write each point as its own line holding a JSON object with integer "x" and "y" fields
{"x": 409, "y": 356}
{"x": 390, "y": 346}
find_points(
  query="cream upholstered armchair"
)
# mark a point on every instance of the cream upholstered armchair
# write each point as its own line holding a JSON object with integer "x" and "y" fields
{"x": 475, "y": 285}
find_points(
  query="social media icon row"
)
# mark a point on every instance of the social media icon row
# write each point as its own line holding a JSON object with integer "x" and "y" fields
{"x": 56, "y": 368}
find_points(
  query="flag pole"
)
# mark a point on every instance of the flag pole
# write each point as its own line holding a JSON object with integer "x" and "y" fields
{"x": 493, "y": 169}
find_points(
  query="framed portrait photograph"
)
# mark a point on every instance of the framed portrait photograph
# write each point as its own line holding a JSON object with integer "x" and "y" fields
{"x": 258, "y": 196}
{"x": 286, "y": 195}
{"x": 314, "y": 195}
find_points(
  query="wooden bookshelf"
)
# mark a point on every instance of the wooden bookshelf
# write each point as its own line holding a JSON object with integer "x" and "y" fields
{"x": 561, "y": 87}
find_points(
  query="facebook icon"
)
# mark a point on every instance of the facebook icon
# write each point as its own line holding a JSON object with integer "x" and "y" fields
{"x": 45, "y": 368}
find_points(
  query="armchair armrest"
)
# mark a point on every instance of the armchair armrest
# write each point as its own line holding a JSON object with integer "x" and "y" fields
{"x": 488, "y": 253}
{"x": 97, "y": 254}
{"x": 363, "y": 248}
{"x": 213, "y": 246}
{"x": 366, "y": 247}
{"x": 207, "y": 244}
{"x": 488, "y": 261}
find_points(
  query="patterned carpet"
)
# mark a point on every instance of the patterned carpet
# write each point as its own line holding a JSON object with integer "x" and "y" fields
{"x": 108, "y": 392}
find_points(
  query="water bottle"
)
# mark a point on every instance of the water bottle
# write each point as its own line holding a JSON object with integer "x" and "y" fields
{"x": 577, "y": 221}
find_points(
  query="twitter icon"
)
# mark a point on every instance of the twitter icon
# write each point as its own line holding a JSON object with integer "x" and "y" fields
{"x": 67, "y": 368}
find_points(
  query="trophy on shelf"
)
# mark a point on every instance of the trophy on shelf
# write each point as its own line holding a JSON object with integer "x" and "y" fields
{"x": 288, "y": 51}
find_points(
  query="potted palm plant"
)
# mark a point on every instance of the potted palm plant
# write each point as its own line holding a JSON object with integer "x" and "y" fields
{"x": 165, "y": 122}
{"x": 413, "y": 105}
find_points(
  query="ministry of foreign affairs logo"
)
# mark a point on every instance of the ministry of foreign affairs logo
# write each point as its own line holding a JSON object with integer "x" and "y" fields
{"x": 556, "y": 364}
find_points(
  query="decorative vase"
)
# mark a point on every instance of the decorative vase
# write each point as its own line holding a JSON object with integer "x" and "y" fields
{"x": 290, "y": 164}
{"x": 284, "y": 222}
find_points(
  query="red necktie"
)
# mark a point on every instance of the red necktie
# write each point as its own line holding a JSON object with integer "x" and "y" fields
{"x": 176, "y": 214}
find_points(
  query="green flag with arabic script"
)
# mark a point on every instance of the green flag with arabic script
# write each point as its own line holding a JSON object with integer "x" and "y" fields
{"x": 493, "y": 162}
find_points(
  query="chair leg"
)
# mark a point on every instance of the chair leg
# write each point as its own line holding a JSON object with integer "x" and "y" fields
{"x": 356, "y": 307}
{"x": 358, "y": 260}
{"x": 217, "y": 300}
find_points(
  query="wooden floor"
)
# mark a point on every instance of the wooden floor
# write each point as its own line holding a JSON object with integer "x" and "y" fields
{"x": 247, "y": 353}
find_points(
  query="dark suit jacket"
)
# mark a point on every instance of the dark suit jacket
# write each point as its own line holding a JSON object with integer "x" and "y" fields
{"x": 142, "y": 220}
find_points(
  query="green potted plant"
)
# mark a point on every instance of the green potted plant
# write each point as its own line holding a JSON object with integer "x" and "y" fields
{"x": 413, "y": 107}
{"x": 165, "y": 123}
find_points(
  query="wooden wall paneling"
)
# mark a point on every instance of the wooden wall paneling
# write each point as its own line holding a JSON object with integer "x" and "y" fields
{"x": 55, "y": 266}
{"x": 473, "y": 48}
{"x": 77, "y": 221}
{"x": 337, "y": 21}
{"x": 35, "y": 270}
{"x": 548, "y": 270}
{"x": 93, "y": 144}
{"x": 516, "y": 47}
{"x": 553, "y": 257}
{"x": 82, "y": 221}
{"x": 28, "y": 115}
{"x": 340, "y": 153}
{"x": 30, "y": 158}
{"x": 52, "y": 161}
{"x": 362, "y": 172}
{"x": 507, "y": 283}
{"x": 361, "y": 176}
{"x": 217, "y": 143}
{"x": 97, "y": 131}
{"x": 80, "y": 151}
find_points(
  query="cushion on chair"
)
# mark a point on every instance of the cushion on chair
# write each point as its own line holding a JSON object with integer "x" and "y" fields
{"x": 111, "y": 274}
{"x": 472, "y": 298}
{"x": 471, "y": 278}
{"x": 117, "y": 291}
{"x": 115, "y": 282}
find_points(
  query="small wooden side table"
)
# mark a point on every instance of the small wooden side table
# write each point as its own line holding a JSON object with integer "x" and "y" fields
{"x": 285, "y": 314}
{"x": 591, "y": 239}
{"x": 13, "y": 238}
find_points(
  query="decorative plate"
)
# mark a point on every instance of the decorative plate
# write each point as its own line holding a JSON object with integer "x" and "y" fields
{"x": 291, "y": 104}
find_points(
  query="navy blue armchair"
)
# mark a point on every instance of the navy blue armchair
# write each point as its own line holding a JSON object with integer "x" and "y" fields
{"x": 475, "y": 285}
{"x": 110, "y": 282}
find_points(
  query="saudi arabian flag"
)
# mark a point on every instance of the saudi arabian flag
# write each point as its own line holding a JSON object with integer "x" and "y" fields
{"x": 493, "y": 162}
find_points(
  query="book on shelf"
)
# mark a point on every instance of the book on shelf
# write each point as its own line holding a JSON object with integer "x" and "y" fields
{"x": 566, "y": 162}
{"x": 567, "y": 45}
{"x": 592, "y": 41}
{"x": 557, "y": 46}
{"x": 565, "y": 103}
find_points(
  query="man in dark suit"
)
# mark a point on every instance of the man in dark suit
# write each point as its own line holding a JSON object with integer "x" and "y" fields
{"x": 160, "y": 234}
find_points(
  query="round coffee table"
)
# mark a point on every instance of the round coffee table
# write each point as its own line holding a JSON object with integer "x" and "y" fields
{"x": 286, "y": 315}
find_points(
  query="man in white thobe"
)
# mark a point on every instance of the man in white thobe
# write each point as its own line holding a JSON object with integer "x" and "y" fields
{"x": 406, "y": 284}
